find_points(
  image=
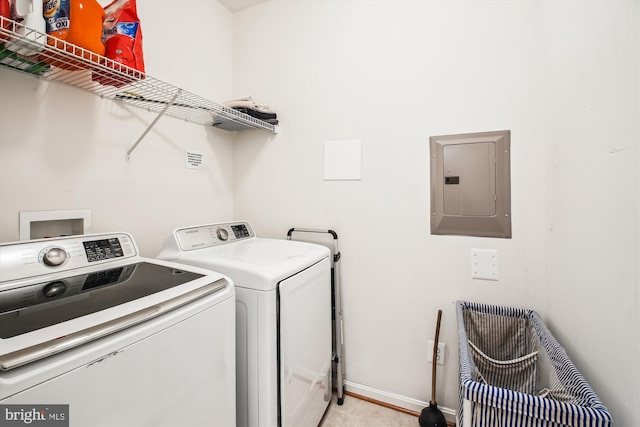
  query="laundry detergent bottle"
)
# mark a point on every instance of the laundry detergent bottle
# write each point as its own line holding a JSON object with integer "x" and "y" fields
{"x": 85, "y": 30}
{"x": 56, "y": 15}
{"x": 76, "y": 21}
{"x": 31, "y": 26}
{"x": 73, "y": 24}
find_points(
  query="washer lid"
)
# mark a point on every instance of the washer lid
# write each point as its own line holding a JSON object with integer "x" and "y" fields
{"x": 40, "y": 305}
{"x": 46, "y": 315}
{"x": 257, "y": 263}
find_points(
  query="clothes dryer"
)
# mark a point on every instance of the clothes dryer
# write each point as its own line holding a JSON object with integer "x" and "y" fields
{"x": 283, "y": 318}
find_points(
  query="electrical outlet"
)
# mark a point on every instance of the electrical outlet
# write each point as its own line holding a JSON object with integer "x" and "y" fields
{"x": 439, "y": 355}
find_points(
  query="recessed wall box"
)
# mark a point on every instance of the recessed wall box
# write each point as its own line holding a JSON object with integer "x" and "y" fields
{"x": 42, "y": 224}
{"x": 471, "y": 184}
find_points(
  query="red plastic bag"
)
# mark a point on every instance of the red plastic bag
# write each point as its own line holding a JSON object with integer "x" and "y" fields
{"x": 5, "y": 12}
{"x": 122, "y": 37}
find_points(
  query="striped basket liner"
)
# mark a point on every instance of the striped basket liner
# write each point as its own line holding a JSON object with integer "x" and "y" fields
{"x": 556, "y": 395}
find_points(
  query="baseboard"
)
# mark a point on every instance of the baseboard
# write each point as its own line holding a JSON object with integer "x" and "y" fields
{"x": 396, "y": 401}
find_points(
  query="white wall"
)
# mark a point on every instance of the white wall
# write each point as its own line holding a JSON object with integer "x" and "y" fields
{"x": 592, "y": 132}
{"x": 394, "y": 73}
{"x": 61, "y": 148}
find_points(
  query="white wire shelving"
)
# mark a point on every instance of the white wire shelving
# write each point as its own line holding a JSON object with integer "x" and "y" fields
{"x": 28, "y": 51}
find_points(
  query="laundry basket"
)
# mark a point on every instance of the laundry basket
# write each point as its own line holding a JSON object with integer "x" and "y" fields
{"x": 513, "y": 372}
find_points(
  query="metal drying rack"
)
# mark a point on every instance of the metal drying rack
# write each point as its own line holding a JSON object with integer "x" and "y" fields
{"x": 28, "y": 51}
{"x": 336, "y": 303}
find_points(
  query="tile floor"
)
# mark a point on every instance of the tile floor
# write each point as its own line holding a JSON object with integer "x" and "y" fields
{"x": 356, "y": 412}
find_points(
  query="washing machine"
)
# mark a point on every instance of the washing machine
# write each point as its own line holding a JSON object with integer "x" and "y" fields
{"x": 283, "y": 318}
{"x": 93, "y": 334}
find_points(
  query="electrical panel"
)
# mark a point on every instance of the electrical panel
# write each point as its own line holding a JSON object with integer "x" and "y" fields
{"x": 470, "y": 184}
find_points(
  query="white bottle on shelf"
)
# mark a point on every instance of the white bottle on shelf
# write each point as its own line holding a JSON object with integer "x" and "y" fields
{"x": 30, "y": 25}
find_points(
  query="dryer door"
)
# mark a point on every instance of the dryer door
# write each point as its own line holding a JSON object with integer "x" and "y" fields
{"x": 305, "y": 345}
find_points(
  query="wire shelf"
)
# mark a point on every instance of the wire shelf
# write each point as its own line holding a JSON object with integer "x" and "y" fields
{"x": 28, "y": 51}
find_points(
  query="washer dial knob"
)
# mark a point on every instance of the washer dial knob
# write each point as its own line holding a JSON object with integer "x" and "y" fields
{"x": 54, "y": 256}
{"x": 222, "y": 234}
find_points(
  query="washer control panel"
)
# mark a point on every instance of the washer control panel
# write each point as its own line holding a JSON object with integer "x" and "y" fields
{"x": 45, "y": 256}
{"x": 206, "y": 236}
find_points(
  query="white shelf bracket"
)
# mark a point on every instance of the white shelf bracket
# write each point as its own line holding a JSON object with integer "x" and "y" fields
{"x": 153, "y": 123}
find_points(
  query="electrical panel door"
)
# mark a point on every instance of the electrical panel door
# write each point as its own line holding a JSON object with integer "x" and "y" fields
{"x": 470, "y": 184}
